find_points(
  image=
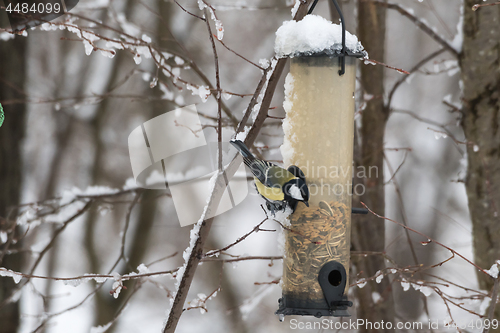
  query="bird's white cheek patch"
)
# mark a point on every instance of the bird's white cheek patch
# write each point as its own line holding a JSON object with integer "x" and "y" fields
{"x": 295, "y": 193}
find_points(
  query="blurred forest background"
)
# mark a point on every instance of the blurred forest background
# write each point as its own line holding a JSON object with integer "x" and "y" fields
{"x": 74, "y": 89}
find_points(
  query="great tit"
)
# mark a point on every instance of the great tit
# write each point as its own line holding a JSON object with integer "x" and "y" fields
{"x": 279, "y": 187}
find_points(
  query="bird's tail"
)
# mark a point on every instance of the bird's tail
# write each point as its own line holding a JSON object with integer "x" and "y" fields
{"x": 247, "y": 155}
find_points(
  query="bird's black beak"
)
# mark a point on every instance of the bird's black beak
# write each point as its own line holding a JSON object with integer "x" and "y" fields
{"x": 306, "y": 203}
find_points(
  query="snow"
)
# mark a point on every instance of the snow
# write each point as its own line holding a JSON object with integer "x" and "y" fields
{"x": 204, "y": 92}
{"x": 485, "y": 304}
{"x": 201, "y": 91}
{"x": 220, "y": 29}
{"x": 286, "y": 148}
{"x": 264, "y": 62}
{"x": 256, "y": 108}
{"x": 295, "y": 7}
{"x": 198, "y": 301}
{"x": 167, "y": 94}
{"x": 155, "y": 177}
{"x": 179, "y": 100}
{"x": 427, "y": 291}
{"x": 108, "y": 54}
{"x": 282, "y": 216}
{"x": 98, "y": 279}
{"x": 218, "y": 24}
{"x": 25, "y": 217}
{"x": 379, "y": 277}
{"x": 458, "y": 40}
{"x": 5, "y": 36}
{"x": 137, "y": 59}
{"x": 130, "y": 184}
{"x": 3, "y": 237}
{"x": 14, "y": 275}
{"x": 193, "y": 236}
{"x": 95, "y": 190}
{"x": 251, "y": 303}
{"x": 142, "y": 269}
{"x": 376, "y": 297}
{"x": 243, "y": 135}
{"x": 144, "y": 51}
{"x": 201, "y": 300}
{"x": 73, "y": 282}
{"x": 111, "y": 44}
{"x": 88, "y": 47}
{"x": 117, "y": 287}
{"x": 313, "y": 34}
{"x": 493, "y": 271}
{"x": 405, "y": 284}
{"x": 100, "y": 329}
{"x": 438, "y": 135}
{"x": 361, "y": 283}
{"x": 178, "y": 60}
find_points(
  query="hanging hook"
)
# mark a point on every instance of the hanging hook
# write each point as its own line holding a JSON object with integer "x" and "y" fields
{"x": 344, "y": 49}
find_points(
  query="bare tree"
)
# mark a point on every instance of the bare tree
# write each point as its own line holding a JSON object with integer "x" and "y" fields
{"x": 480, "y": 120}
{"x": 12, "y": 87}
{"x": 368, "y": 233}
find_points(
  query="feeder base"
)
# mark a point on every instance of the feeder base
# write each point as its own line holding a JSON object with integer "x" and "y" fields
{"x": 340, "y": 310}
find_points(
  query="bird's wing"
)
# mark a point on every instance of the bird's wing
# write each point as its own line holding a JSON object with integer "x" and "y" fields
{"x": 259, "y": 169}
{"x": 277, "y": 176}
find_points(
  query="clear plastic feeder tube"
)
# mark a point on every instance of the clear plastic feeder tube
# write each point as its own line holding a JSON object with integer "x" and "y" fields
{"x": 319, "y": 134}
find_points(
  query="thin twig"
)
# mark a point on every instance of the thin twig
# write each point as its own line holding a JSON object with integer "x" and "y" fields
{"x": 412, "y": 70}
{"x": 368, "y": 61}
{"x": 239, "y": 55}
{"x": 242, "y": 258}
{"x": 57, "y": 232}
{"x": 435, "y": 123}
{"x": 477, "y": 6}
{"x": 218, "y": 96}
{"x": 239, "y": 240}
{"x": 185, "y": 10}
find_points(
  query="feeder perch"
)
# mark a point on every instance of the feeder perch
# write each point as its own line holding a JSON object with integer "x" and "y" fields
{"x": 319, "y": 135}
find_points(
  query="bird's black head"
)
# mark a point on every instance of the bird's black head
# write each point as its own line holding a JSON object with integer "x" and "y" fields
{"x": 295, "y": 170}
{"x": 296, "y": 190}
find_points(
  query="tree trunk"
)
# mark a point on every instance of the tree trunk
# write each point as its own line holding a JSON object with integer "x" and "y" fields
{"x": 369, "y": 231}
{"x": 479, "y": 62}
{"x": 12, "y": 78}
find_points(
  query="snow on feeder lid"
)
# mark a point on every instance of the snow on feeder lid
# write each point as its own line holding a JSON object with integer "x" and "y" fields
{"x": 314, "y": 35}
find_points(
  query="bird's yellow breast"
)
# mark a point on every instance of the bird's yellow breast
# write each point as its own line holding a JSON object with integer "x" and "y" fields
{"x": 271, "y": 193}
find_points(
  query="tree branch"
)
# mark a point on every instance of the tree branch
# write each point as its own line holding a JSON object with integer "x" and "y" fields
{"x": 204, "y": 225}
{"x": 493, "y": 303}
{"x": 424, "y": 27}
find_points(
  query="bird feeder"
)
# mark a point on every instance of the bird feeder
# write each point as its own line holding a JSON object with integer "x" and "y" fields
{"x": 319, "y": 135}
